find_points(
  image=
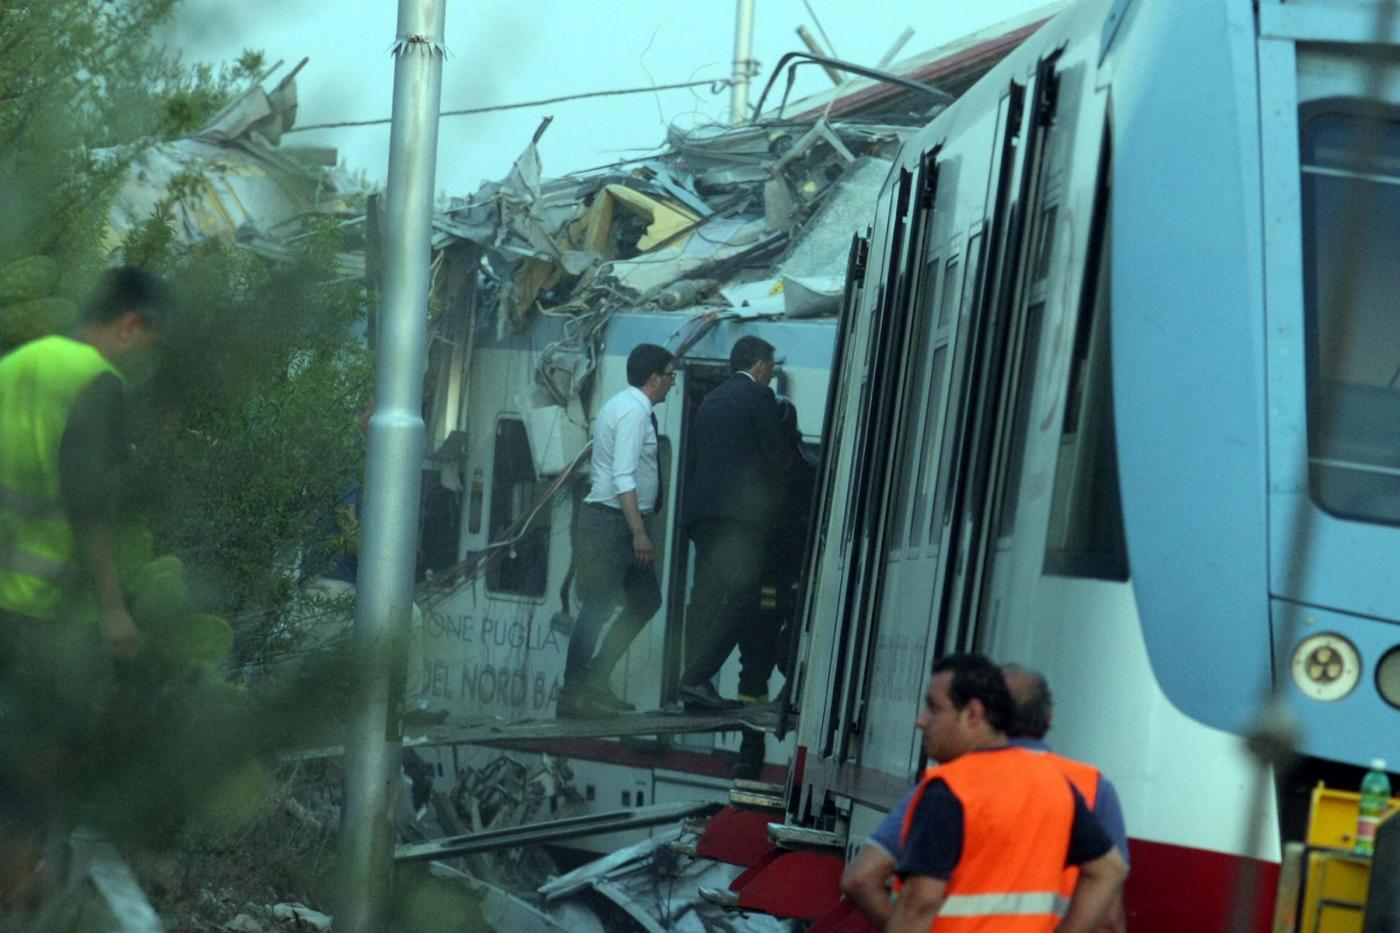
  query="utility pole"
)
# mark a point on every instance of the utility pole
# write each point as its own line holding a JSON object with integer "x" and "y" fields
{"x": 744, "y": 65}
{"x": 389, "y": 525}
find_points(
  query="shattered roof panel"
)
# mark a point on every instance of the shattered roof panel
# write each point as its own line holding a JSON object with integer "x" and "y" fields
{"x": 230, "y": 180}
{"x": 719, "y": 207}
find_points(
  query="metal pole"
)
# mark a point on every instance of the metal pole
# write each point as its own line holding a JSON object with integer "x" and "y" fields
{"x": 815, "y": 48}
{"x": 744, "y": 65}
{"x": 389, "y": 519}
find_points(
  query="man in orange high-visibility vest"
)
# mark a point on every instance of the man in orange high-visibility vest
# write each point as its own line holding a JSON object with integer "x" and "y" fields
{"x": 866, "y": 879}
{"x": 992, "y": 828}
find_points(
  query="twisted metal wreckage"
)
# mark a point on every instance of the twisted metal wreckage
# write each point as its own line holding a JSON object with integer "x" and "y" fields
{"x": 726, "y": 222}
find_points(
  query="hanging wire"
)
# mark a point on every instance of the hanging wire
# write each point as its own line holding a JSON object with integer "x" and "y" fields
{"x": 716, "y": 86}
{"x": 830, "y": 46}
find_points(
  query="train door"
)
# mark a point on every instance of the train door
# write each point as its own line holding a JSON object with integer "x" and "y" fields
{"x": 827, "y": 633}
{"x": 995, "y": 361}
{"x": 911, "y": 545}
{"x": 881, "y": 439}
{"x": 868, "y": 441}
{"x": 697, "y": 379}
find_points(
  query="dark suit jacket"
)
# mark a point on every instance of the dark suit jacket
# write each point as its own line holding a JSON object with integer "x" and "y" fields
{"x": 740, "y": 455}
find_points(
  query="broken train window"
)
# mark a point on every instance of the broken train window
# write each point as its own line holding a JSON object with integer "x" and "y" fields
{"x": 522, "y": 565}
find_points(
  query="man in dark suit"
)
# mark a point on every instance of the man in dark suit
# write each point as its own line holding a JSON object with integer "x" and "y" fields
{"x": 731, "y": 504}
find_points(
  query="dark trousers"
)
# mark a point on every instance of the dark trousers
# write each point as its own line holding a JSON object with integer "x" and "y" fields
{"x": 724, "y": 600}
{"x": 762, "y": 647}
{"x": 606, "y": 578}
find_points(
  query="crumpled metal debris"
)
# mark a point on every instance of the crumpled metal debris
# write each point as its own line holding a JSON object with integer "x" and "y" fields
{"x": 231, "y": 179}
{"x": 715, "y": 203}
{"x": 719, "y": 212}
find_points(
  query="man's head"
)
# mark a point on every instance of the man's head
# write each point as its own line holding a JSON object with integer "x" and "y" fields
{"x": 967, "y": 706}
{"x": 1034, "y": 704}
{"x": 651, "y": 369}
{"x": 753, "y": 355}
{"x": 126, "y": 313}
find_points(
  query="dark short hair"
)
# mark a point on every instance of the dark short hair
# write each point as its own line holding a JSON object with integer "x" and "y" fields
{"x": 644, "y": 360}
{"x": 977, "y": 678}
{"x": 747, "y": 351}
{"x": 126, "y": 289}
{"x": 1031, "y": 718}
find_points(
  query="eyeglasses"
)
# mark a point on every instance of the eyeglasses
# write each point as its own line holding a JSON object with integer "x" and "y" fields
{"x": 668, "y": 374}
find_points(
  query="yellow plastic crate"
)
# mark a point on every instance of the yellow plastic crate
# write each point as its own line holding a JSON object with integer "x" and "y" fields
{"x": 1332, "y": 819}
{"x": 1335, "y": 898}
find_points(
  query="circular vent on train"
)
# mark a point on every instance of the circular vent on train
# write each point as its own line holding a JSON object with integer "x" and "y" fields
{"x": 1327, "y": 667}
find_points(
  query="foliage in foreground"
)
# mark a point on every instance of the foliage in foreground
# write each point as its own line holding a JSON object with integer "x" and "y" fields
{"x": 245, "y": 439}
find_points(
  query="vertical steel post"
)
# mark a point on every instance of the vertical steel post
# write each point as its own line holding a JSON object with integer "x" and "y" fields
{"x": 744, "y": 65}
{"x": 389, "y": 520}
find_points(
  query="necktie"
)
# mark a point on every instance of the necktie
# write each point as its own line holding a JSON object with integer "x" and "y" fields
{"x": 656, "y": 431}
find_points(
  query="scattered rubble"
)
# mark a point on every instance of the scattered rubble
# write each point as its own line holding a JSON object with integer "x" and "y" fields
{"x": 299, "y": 917}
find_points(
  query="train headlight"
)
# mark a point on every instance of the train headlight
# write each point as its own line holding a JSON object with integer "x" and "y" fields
{"x": 1388, "y": 677}
{"x": 1327, "y": 667}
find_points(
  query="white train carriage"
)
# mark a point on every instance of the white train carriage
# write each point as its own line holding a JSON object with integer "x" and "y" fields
{"x": 1113, "y": 401}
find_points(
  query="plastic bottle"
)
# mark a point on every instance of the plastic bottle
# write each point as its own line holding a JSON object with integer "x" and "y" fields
{"x": 1375, "y": 798}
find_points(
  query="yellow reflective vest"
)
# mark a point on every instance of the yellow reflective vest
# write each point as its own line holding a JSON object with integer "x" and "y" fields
{"x": 39, "y": 383}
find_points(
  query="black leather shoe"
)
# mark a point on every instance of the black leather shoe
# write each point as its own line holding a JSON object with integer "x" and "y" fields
{"x": 702, "y": 698}
{"x": 602, "y": 695}
{"x": 581, "y": 706}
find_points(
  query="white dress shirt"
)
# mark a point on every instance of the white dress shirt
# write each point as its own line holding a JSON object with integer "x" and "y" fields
{"x": 624, "y": 451}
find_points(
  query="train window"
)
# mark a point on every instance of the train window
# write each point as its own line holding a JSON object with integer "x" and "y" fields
{"x": 946, "y": 304}
{"x": 1025, "y": 388}
{"x": 932, "y": 424}
{"x": 1085, "y": 537}
{"x": 1047, "y": 241}
{"x": 523, "y": 566}
{"x": 1351, "y": 273}
{"x": 915, "y": 434}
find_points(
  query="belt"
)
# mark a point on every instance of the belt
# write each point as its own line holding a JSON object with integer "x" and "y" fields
{"x": 614, "y": 510}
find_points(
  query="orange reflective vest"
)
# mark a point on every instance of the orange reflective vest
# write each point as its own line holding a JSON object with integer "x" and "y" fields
{"x": 1017, "y": 814}
{"x": 1085, "y": 779}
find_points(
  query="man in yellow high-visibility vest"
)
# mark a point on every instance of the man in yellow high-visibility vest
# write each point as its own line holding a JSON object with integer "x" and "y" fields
{"x": 62, "y": 441}
{"x": 62, "y": 421}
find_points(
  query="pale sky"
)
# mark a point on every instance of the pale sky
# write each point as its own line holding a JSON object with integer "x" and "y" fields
{"x": 506, "y": 52}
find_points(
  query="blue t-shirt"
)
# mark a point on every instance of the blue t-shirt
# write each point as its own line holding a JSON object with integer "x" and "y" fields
{"x": 1106, "y": 808}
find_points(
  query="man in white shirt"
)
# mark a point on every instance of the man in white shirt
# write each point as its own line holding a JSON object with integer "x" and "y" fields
{"x": 613, "y": 550}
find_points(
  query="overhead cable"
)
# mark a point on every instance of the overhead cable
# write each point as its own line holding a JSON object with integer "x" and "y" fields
{"x": 831, "y": 46}
{"x": 716, "y": 86}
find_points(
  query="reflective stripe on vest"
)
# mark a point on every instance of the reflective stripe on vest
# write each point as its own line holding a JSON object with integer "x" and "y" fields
{"x": 1018, "y": 811}
{"x": 34, "y": 565}
{"x": 1025, "y": 903}
{"x": 39, "y": 383}
{"x": 29, "y": 506}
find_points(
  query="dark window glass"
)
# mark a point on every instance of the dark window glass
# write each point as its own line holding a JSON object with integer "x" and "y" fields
{"x": 522, "y": 566}
{"x": 1016, "y": 455}
{"x": 1351, "y": 275}
{"x": 1085, "y": 537}
{"x": 915, "y": 418}
{"x": 933, "y": 429}
{"x": 948, "y": 305}
{"x": 1047, "y": 241}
